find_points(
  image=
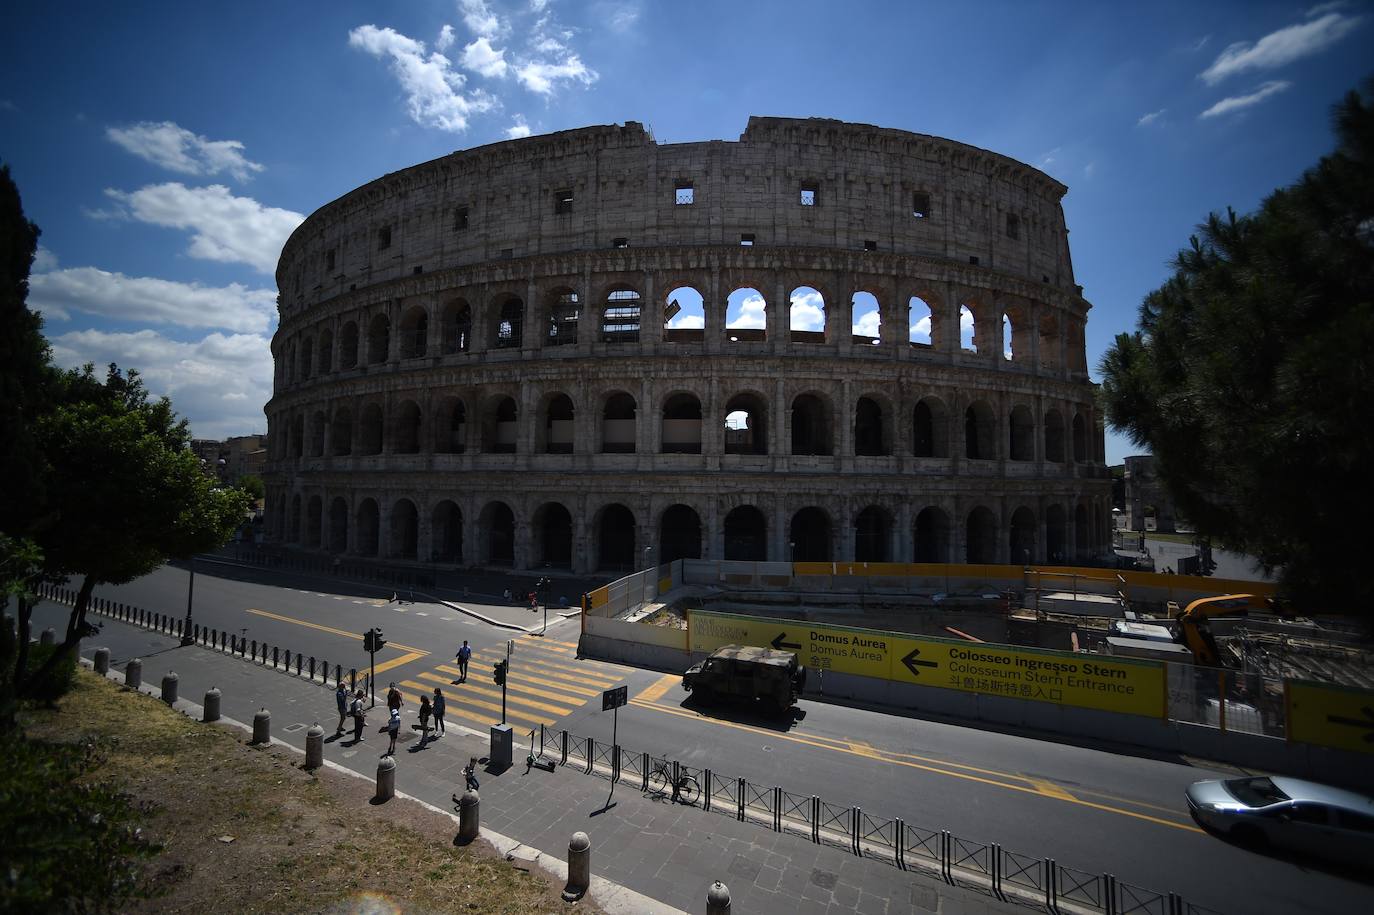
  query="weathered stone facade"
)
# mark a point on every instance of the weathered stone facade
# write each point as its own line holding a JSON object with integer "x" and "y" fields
{"x": 474, "y": 367}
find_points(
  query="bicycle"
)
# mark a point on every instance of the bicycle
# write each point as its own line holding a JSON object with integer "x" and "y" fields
{"x": 685, "y": 789}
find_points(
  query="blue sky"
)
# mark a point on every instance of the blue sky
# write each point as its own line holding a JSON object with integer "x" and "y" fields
{"x": 167, "y": 149}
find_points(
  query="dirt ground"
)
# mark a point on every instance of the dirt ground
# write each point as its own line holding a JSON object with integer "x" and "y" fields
{"x": 247, "y": 828}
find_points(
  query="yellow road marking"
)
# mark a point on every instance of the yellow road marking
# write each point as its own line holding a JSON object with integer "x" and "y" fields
{"x": 552, "y": 669}
{"x": 846, "y": 748}
{"x": 397, "y": 662}
{"x": 513, "y": 698}
{"x": 1050, "y": 789}
{"x": 655, "y": 690}
{"x": 465, "y": 699}
{"x": 523, "y": 674}
{"x": 348, "y": 635}
{"x": 535, "y": 643}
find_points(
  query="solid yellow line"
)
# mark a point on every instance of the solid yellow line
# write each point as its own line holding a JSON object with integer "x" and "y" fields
{"x": 934, "y": 769}
{"x": 656, "y": 690}
{"x": 348, "y": 635}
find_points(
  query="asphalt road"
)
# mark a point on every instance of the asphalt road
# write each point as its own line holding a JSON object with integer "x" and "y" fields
{"x": 1089, "y": 808}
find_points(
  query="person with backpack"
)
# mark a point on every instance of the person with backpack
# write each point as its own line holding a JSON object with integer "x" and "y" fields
{"x": 359, "y": 716}
{"x": 341, "y": 699}
{"x": 439, "y": 706}
{"x": 393, "y": 729}
{"x": 464, "y": 654}
{"x": 424, "y": 718}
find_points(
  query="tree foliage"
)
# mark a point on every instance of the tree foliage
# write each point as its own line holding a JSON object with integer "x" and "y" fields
{"x": 1249, "y": 373}
{"x": 253, "y": 485}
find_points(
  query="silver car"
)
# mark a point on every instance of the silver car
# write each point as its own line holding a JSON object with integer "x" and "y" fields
{"x": 1303, "y": 816}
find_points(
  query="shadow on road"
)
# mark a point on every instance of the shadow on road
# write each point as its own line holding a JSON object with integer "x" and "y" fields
{"x": 742, "y": 711}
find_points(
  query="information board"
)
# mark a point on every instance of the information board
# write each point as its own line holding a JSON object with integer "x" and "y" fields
{"x": 1330, "y": 716}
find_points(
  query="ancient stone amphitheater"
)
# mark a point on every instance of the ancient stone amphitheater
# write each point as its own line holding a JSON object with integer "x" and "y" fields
{"x": 591, "y": 351}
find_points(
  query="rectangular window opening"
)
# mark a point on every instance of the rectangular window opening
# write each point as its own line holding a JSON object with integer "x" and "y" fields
{"x": 747, "y": 239}
{"x": 460, "y": 219}
{"x": 330, "y": 259}
{"x": 507, "y": 253}
{"x": 684, "y": 195}
{"x": 1013, "y": 226}
{"x": 870, "y": 245}
{"x": 383, "y": 238}
{"x": 973, "y": 259}
{"x": 809, "y": 194}
{"x": 563, "y": 201}
{"x": 920, "y": 205}
{"x": 620, "y": 243}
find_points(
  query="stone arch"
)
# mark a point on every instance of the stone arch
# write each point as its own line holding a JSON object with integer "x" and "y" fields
{"x": 980, "y": 427}
{"x": 930, "y": 428}
{"x": 746, "y": 424}
{"x": 873, "y": 426}
{"x": 409, "y": 428}
{"x": 1021, "y": 434}
{"x": 1049, "y": 341}
{"x": 810, "y": 535}
{"x": 496, "y": 534}
{"x": 679, "y": 534}
{"x": 980, "y": 536}
{"x": 564, "y": 314}
{"x": 314, "y": 522}
{"x": 685, "y": 323}
{"x": 367, "y": 525}
{"x": 457, "y": 326}
{"x": 1016, "y": 334}
{"x": 865, "y": 318}
{"x": 341, "y": 433}
{"x": 682, "y": 424}
{"x": 552, "y": 536}
{"x": 405, "y": 530}
{"x": 930, "y": 535}
{"x": 554, "y": 430}
{"x": 446, "y": 532}
{"x": 873, "y": 535}
{"x": 746, "y": 315}
{"x": 618, "y": 423}
{"x": 812, "y": 423}
{"x": 509, "y": 327}
{"x": 615, "y": 539}
{"x": 500, "y": 417}
{"x": 348, "y": 346}
{"x": 378, "y": 339}
{"x": 1021, "y": 537}
{"x": 968, "y": 330}
{"x": 338, "y": 525}
{"x": 450, "y": 426}
{"x": 746, "y": 534}
{"x": 415, "y": 332}
{"x": 1054, "y": 435}
{"x": 1056, "y": 534}
{"x": 806, "y": 315}
{"x": 326, "y": 352}
{"x": 370, "y": 427}
{"x": 621, "y": 314}
{"x": 920, "y": 325}
{"x": 1080, "y": 439}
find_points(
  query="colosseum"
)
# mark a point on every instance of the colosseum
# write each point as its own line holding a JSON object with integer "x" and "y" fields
{"x": 590, "y": 351}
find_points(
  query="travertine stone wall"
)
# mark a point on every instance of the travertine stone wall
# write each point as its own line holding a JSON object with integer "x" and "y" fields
{"x": 425, "y": 408}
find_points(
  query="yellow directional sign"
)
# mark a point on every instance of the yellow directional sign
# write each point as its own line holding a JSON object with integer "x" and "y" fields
{"x": 1331, "y": 716}
{"x": 1126, "y": 685}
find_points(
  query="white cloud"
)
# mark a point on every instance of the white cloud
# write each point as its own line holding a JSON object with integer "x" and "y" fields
{"x": 219, "y": 383}
{"x": 1282, "y": 47}
{"x": 144, "y": 298}
{"x": 1241, "y": 102}
{"x": 429, "y": 80}
{"x": 751, "y": 315}
{"x": 808, "y": 312}
{"x": 479, "y": 18}
{"x": 1147, "y": 119}
{"x": 481, "y": 57}
{"x": 537, "y": 6}
{"x": 445, "y": 39}
{"x": 1090, "y": 169}
{"x": 1200, "y": 43}
{"x": 867, "y": 324}
{"x": 618, "y": 17}
{"x": 226, "y": 228}
{"x": 540, "y": 76}
{"x": 684, "y": 320}
{"x": 44, "y": 260}
{"x": 1321, "y": 8}
{"x": 178, "y": 149}
{"x": 1050, "y": 157}
{"x": 519, "y": 129}
{"x": 920, "y": 331}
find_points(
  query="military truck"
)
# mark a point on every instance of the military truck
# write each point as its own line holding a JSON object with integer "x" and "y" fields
{"x": 744, "y": 672}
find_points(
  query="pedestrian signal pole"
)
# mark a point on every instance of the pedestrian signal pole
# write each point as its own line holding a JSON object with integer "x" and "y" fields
{"x": 499, "y": 672}
{"x": 372, "y": 643}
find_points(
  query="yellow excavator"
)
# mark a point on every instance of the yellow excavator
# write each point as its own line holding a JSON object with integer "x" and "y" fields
{"x": 1193, "y": 631}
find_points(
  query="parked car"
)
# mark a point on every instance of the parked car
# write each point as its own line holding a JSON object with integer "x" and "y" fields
{"x": 1303, "y": 816}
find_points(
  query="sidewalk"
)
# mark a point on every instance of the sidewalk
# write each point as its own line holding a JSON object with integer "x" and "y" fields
{"x": 669, "y": 852}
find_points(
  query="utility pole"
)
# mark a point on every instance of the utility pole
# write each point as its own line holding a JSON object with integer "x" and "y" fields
{"x": 186, "y": 639}
{"x": 372, "y": 643}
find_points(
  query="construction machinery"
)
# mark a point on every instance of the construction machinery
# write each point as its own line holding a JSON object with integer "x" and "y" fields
{"x": 1193, "y": 629}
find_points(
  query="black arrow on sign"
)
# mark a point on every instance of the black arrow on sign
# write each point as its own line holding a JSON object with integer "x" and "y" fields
{"x": 779, "y": 644}
{"x": 1366, "y": 722}
{"x": 911, "y": 662}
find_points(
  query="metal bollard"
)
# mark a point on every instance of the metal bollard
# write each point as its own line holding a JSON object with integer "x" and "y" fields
{"x": 212, "y": 704}
{"x": 102, "y": 661}
{"x": 133, "y": 674}
{"x": 314, "y": 746}
{"x": 262, "y": 727}
{"x": 718, "y": 899}
{"x": 386, "y": 778}
{"x": 169, "y": 687}
{"x": 469, "y": 818}
{"x": 579, "y": 867}
{"x": 48, "y": 637}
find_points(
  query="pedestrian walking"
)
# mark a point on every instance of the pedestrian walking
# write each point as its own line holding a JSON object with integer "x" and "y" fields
{"x": 470, "y": 774}
{"x": 393, "y": 698}
{"x": 439, "y": 706}
{"x": 534, "y": 602}
{"x": 463, "y": 655}
{"x": 393, "y": 729}
{"x": 341, "y": 699}
{"x": 359, "y": 716}
{"x": 424, "y": 718}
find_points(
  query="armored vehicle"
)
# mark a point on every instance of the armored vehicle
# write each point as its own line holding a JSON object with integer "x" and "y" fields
{"x": 744, "y": 672}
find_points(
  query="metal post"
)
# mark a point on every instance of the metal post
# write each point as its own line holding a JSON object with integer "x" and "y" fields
{"x": 591, "y": 752}
{"x": 815, "y": 819}
{"x": 169, "y": 688}
{"x": 718, "y": 899}
{"x": 186, "y": 639}
{"x": 777, "y": 809}
{"x": 899, "y": 839}
{"x": 469, "y": 817}
{"x": 739, "y": 800}
{"x": 262, "y": 727}
{"x": 212, "y": 697}
{"x": 579, "y": 867}
{"x": 706, "y": 789}
{"x": 855, "y": 818}
{"x": 314, "y": 746}
{"x": 386, "y": 778}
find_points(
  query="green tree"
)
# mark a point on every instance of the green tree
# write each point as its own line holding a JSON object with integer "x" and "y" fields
{"x": 253, "y": 485}
{"x": 1249, "y": 373}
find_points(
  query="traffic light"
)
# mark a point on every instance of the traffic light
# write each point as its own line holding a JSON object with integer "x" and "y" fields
{"x": 372, "y": 640}
{"x": 498, "y": 673}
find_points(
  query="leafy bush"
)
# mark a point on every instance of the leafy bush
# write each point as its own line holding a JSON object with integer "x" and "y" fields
{"x": 58, "y": 681}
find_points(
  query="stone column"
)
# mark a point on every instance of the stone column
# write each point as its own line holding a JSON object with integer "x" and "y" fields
{"x": 844, "y": 317}
{"x": 385, "y": 502}
{"x": 532, "y": 329}
{"x": 424, "y": 527}
{"x": 581, "y": 561}
{"x": 778, "y": 445}
{"x": 779, "y": 334}
{"x": 522, "y": 552}
{"x": 777, "y": 542}
{"x": 525, "y": 434}
{"x": 471, "y": 555}
{"x": 844, "y": 533}
{"x": 902, "y": 546}
{"x": 713, "y": 538}
{"x": 651, "y": 314}
{"x": 713, "y": 312}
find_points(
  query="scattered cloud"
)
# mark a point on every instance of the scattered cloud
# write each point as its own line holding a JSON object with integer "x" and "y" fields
{"x": 179, "y": 150}
{"x": 751, "y": 314}
{"x": 219, "y": 383}
{"x": 1321, "y": 8}
{"x": 143, "y": 298}
{"x": 44, "y": 260}
{"x": 808, "y": 312}
{"x": 619, "y": 17}
{"x": 432, "y": 86}
{"x": 1241, "y": 102}
{"x": 1199, "y": 44}
{"x": 519, "y": 129}
{"x": 481, "y": 57}
{"x": 541, "y": 76}
{"x": 445, "y": 39}
{"x": 1281, "y": 47}
{"x": 920, "y": 331}
{"x": 225, "y": 228}
{"x": 1147, "y": 119}
{"x": 684, "y": 320}
{"x": 480, "y": 20}
{"x": 1090, "y": 169}
{"x": 1050, "y": 157}
{"x": 867, "y": 324}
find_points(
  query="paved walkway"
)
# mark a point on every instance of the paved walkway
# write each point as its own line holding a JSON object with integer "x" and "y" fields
{"x": 669, "y": 852}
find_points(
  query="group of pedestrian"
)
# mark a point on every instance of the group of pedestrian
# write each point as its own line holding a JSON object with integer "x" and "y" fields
{"x": 350, "y": 707}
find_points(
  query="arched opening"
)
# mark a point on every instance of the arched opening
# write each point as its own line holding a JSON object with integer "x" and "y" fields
{"x": 809, "y": 536}
{"x": 620, "y": 316}
{"x": 919, "y": 322}
{"x": 618, "y": 424}
{"x": 553, "y": 536}
{"x": 679, "y": 534}
{"x": 405, "y": 530}
{"x": 1080, "y": 439}
{"x": 873, "y": 535}
{"x": 1008, "y": 337}
{"x": 811, "y": 425}
{"x": 565, "y": 310}
{"x": 499, "y": 426}
{"x": 980, "y": 543}
{"x": 557, "y": 427}
{"x": 317, "y": 425}
{"x": 408, "y": 428}
{"x": 615, "y": 539}
{"x": 446, "y": 532}
{"x": 1021, "y": 438}
{"x": 326, "y": 351}
{"x": 450, "y": 427}
{"x": 966, "y": 330}
{"x": 1081, "y": 533}
{"x": 1021, "y": 537}
{"x": 367, "y": 527}
{"x": 806, "y": 315}
{"x": 746, "y": 535}
{"x": 414, "y": 333}
{"x": 872, "y": 431}
{"x": 1056, "y": 534}
{"x": 930, "y": 428}
{"x": 684, "y": 316}
{"x": 1049, "y": 342}
{"x": 979, "y": 425}
{"x": 746, "y": 425}
{"x": 338, "y": 525}
{"x": 378, "y": 339}
{"x": 510, "y": 319}
{"x": 370, "y": 430}
{"x": 293, "y": 529}
{"x": 682, "y": 425}
{"x": 866, "y": 319}
{"x": 314, "y": 523}
{"x": 496, "y": 531}
{"x": 1054, "y": 436}
{"x": 348, "y": 346}
{"x": 930, "y": 536}
{"x": 457, "y": 327}
{"x": 341, "y": 432}
{"x": 307, "y": 357}
{"x": 746, "y": 316}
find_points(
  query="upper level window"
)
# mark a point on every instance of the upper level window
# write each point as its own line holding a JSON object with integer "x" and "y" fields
{"x": 620, "y": 243}
{"x": 562, "y": 201}
{"x": 747, "y": 239}
{"x": 920, "y": 205}
{"x": 330, "y": 258}
{"x": 1013, "y": 226}
{"x": 383, "y": 238}
{"x": 460, "y": 219}
{"x": 870, "y": 245}
{"x": 810, "y": 193}
{"x": 683, "y": 195}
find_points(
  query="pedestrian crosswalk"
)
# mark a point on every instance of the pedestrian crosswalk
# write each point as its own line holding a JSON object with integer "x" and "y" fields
{"x": 545, "y": 683}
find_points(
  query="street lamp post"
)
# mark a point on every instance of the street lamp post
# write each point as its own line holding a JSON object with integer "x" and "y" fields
{"x": 186, "y": 638}
{"x": 650, "y": 583}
